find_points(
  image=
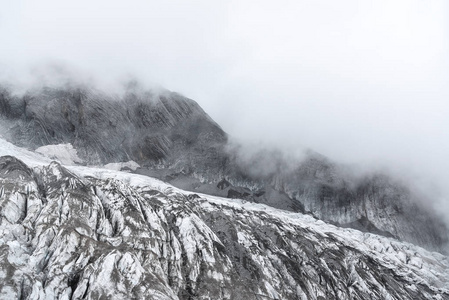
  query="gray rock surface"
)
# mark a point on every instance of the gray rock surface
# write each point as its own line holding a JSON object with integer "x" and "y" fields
{"x": 140, "y": 126}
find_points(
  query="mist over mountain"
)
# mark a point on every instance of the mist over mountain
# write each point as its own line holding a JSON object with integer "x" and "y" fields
{"x": 224, "y": 149}
{"x": 170, "y": 137}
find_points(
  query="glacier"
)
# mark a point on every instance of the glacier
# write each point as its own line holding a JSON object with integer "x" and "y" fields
{"x": 80, "y": 232}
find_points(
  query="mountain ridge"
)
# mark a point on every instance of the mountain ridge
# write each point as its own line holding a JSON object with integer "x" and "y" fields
{"x": 80, "y": 232}
{"x": 173, "y": 139}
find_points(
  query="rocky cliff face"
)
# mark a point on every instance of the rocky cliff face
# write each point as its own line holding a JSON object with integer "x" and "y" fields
{"x": 86, "y": 233}
{"x": 141, "y": 126}
{"x": 375, "y": 203}
{"x": 173, "y": 139}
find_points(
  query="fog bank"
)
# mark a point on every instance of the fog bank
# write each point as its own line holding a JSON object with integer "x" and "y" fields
{"x": 363, "y": 83}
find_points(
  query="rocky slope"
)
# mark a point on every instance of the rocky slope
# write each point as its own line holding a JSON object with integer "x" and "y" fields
{"x": 142, "y": 126}
{"x": 173, "y": 139}
{"x": 87, "y": 233}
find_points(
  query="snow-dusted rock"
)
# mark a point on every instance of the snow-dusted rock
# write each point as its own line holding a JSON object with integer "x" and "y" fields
{"x": 84, "y": 233}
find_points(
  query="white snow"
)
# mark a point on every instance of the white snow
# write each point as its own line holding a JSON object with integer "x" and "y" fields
{"x": 64, "y": 153}
{"x": 30, "y": 158}
{"x": 132, "y": 165}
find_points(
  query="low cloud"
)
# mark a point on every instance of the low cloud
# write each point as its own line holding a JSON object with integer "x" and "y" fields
{"x": 362, "y": 83}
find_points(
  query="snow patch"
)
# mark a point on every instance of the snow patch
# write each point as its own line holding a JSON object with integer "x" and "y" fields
{"x": 132, "y": 165}
{"x": 64, "y": 153}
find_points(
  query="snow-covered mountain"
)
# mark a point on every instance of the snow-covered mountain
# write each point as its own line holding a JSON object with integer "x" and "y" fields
{"x": 77, "y": 232}
{"x": 168, "y": 136}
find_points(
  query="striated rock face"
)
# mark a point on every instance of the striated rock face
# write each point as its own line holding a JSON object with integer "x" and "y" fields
{"x": 173, "y": 139}
{"x": 374, "y": 203}
{"x": 66, "y": 234}
{"x": 140, "y": 126}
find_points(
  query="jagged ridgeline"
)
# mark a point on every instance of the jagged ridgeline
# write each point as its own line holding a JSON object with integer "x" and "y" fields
{"x": 173, "y": 139}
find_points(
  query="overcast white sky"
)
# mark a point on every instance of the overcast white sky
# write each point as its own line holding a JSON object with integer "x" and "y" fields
{"x": 359, "y": 81}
